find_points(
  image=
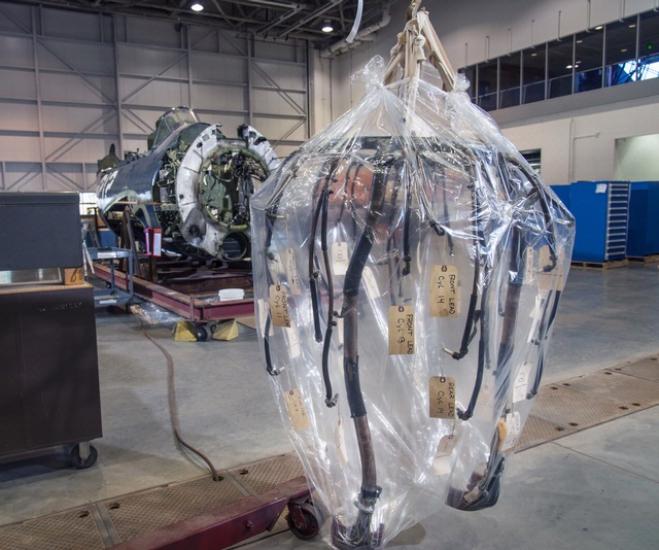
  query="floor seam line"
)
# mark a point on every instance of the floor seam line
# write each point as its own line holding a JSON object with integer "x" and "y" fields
{"x": 601, "y": 460}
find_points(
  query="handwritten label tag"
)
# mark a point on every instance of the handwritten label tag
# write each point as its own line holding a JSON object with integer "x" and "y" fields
{"x": 521, "y": 385}
{"x": 442, "y": 397}
{"x": 444, "y": 291}
{"x": 529, "y": 266}
{"x": 401, "y": 330}
{"x": 442, "y": 462}
{"x": 340, "y": 258}
{"x": 291, "y": 271}
{"x": 279, "y": 306}
{"x": 513, "y": 430}
{"x": 297, "y": 412}
{"x": 294, "y": 348}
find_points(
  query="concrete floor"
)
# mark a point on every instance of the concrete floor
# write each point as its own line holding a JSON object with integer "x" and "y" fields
{"x": 226, "y": 408}
{"x": 586, "y": 491}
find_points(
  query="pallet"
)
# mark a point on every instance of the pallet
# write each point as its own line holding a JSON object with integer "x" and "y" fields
{"x": 600, "y": 265}
{"x": 650, "y": 259}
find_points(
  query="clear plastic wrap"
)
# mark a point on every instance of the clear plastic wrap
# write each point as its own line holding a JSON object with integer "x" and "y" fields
{"x": 408, "y": 265}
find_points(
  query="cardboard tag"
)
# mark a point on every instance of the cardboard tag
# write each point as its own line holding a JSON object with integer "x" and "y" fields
{"x": 513, "y": 430}
{"x": 442, "y": 462}
{"x": 294, "y": 348}
{"x": 340, "y": 258}
{"x": 441, "y": 396}
{"x": 279, "y": 306}
{"x": 297, "y": 412}
{"x": 291, "y": 272}
{"x": 444, "y": 291}
{"x": 401, "y": 330}
{"x": 521, "y": 385}
{"x": 529, "y": 266}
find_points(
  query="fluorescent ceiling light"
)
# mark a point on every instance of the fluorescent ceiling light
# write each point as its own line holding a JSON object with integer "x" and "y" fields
{"x": 623, "y": 50}
{"x": 197, "y": 6}
{"x": 327, "y": 26}
{"x": 599, "y": 28}
{"x": 632, "y": 26}
{"x": 568, "y": 66}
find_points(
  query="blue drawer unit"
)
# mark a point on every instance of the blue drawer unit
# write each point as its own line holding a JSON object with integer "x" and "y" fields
{"x": 563, "y": 193}
{"x": 601, "y": 209}
{"x": 643, "y": 219}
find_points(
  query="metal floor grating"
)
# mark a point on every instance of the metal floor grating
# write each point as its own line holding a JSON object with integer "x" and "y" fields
{"x": 561, "y": 409}
{"x": 71, "y": 530}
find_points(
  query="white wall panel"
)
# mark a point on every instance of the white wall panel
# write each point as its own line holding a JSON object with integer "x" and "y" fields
{"x": 65, "y": 55}
{"x": 203, "y": 40}
{"x": 19, "y": 149}
{"x": 276, "y": 129}
{"x": 271, "y": 101}
{"x": 208, "y": 66}
{"x": 89, "y": 148}
{"x": 17, "y": 84}
{"x": 152, "y": 31}
{"x": 15, "y": 17}
{"x": 16, "y": 51}
{"x": 19, "y": 117}
{"x": 286, "y": 76}
{"x": 154, "y": 93}
{"x": 280, "y": 51}
{"x": 138, "y": 60}
{"x": 71, "y": 119}
{"x": 211, "y": 96}
{"x": 70, "y": 24}
{"x": 71, "y": 87}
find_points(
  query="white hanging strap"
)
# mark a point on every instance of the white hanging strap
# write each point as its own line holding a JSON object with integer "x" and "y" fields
{"x": 418, "y": 43}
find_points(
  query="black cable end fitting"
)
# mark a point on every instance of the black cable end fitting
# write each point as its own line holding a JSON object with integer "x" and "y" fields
{"x": 457, "y": 355}
{"x": 465, "y": 415}
{"x": 332, "y": 401}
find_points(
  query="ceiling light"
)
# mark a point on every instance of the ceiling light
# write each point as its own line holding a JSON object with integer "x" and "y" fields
{"x": 599, "y": 28}
{"x": 632, "y": 25}
{"x": 580, "y": 41}
{"x": 197, "y": 6}
{"x": 534, "y": 54}
{"x": 568, "y": 66}
{"x": 623, "y": 50}
{"x": 327, "y": 26}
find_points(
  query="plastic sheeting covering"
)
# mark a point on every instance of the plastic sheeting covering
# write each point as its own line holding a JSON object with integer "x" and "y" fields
{"x": 408, "y": 265}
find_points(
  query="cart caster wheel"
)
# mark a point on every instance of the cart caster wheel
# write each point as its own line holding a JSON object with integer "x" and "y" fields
{"x": 303, "y": 520}
{"x": 80, "y": 464}
{"x": 202, "y": 334}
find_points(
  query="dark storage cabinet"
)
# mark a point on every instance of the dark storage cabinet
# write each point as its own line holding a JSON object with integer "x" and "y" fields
{"x": 40, "y": 230}
{"x": 49, "y": 389}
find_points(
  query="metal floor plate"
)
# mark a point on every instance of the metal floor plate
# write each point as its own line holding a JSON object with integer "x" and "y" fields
{"x": 561, "y": 409}
{"x": 262, "y": 476}
{"x": 71, "y": 530}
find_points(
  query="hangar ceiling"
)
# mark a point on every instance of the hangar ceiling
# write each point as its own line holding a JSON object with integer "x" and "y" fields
{"x": 278, "y": 19}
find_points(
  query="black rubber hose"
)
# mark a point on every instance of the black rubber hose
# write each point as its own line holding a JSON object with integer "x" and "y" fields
{"x": 330, "y": 398}
{"x": 313, "y": 274}
{"x": 173, "y": 408}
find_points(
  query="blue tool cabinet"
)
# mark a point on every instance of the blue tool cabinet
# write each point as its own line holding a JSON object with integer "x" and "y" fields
{"x": 601, "y": 210}
{"x": 643, "y": 219}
